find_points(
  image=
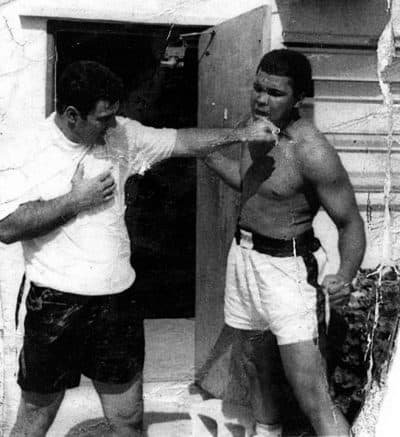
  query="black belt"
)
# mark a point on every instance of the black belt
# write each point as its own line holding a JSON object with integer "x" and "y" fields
{"x": 304, "y": 243}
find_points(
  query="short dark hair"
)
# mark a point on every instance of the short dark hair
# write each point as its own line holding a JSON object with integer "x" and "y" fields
{"x": 83, "y": 83}
{"x": 286, "y": 62}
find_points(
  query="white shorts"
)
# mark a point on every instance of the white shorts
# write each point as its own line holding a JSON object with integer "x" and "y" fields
{"x": 265, "y": 292}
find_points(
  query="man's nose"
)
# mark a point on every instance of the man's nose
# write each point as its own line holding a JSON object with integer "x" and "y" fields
{"x": 262, "y": 99}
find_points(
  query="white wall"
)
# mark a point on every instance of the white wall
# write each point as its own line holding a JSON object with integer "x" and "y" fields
{"x": 199, "y": 12}
{"x": 22, "y": 97}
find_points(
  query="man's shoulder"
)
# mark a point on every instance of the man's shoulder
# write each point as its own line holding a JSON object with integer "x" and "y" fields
{"x": 123, "y": 136}
{"x": 127, "y": 123}
{"x": 302, "y": 131}
{"x": 313, "y": 151}
{"x": 310, "y": 142}
{"x": 126, "y": 129}
{"x": 138, "y": 134}
{"x": 131, "y": 125}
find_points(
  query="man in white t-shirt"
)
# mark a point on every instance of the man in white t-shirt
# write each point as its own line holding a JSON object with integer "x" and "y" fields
{"x": 62, "y": 196}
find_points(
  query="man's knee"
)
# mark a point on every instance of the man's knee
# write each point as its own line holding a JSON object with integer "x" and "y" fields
{"x": 37, "y": 401}
{"x": 128, "y": 416}
{"x": 312, "y": 394}
{"x": 126, "y": 420}
{"x": 36, "y": 413}
{"x": 40, "y": 407}
{"x": 123, "y": 406}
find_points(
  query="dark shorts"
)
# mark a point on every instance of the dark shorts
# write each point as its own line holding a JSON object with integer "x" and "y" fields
{"x": 67, "y": 335}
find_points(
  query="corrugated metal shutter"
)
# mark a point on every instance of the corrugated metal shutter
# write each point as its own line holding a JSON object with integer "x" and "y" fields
{"x": 348, "y": 109}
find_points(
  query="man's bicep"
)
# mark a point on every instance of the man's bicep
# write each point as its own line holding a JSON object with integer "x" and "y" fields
{"x": 327, "y": 174}
{"x": 338, "y": 199}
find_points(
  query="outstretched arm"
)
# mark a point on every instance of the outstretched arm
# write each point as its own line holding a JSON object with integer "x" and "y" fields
{"x": 33, "y": 219}
{"x": 201, "y": 142}
{"x": 324, "y": 170}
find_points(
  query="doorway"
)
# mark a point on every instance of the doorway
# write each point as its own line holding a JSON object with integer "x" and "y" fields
{"x": 159, "y": 71}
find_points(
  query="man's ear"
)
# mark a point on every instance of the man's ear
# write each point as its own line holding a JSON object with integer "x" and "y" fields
{"x": 299, "y": 99}
{"x": 71, "y": 114}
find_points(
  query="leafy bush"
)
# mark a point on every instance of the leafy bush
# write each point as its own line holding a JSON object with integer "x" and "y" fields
{"x": 361, "y": 337}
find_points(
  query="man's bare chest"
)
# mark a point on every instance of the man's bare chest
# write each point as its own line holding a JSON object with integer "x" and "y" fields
{"x": 275, "y": 176}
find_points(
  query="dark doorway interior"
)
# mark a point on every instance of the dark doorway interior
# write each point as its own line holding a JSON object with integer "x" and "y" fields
{"x": 161, "y": 204}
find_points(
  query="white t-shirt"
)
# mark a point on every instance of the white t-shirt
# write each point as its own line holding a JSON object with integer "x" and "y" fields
{"x": 89, "y": 255}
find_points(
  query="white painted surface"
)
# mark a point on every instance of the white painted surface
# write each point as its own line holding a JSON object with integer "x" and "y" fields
{"x": 199, "y": 12}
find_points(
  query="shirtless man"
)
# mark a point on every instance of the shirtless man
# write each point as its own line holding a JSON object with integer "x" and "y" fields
{"x": 275, "y": 262}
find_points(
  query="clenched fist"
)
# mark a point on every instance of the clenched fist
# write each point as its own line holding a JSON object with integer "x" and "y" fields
{"x": 261, "y": 130}
{"x": 337, "y": 288}
{"x": 261, "y": 136}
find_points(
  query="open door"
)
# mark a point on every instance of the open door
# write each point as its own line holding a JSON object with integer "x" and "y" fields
{"x": 228, "y": 57}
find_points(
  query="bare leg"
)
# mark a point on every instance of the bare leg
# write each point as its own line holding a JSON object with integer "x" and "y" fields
{"x": 36, "y": 413}
{"x": 123, "y": 406}
{"x": 305, "y": 372}
{"x": 257, "y": 354}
